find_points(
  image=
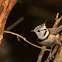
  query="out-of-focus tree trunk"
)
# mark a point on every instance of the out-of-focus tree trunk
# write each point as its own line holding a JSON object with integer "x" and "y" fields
{"x": 5, "y": 8}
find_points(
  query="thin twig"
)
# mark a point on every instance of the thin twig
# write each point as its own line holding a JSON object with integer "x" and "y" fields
{"x": 57, "y": 22}
{"x": 15, "y": 23}
{"x": 41, "y": 54}
{"x": 25, "y": 40}
{"x": 18, "y": 38}
{"x": 57, "y": 16}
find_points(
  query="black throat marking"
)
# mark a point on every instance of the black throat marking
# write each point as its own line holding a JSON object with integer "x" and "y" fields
{"x": 40, "y": 40}
{"x": 45, "y": 33}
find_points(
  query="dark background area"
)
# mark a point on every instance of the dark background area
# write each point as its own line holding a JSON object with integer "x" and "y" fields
{"x": 35, "y": 12}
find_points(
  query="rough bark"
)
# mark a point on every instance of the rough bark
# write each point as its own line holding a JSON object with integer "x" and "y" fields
{"x": 5, "y": 8}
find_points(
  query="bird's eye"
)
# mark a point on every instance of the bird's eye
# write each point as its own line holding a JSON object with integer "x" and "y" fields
{"x": 38, "y": 30}
{"x": 45, "y": 29}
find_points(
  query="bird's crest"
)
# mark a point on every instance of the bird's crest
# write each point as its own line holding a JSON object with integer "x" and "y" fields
{"x": 42, "y": 26}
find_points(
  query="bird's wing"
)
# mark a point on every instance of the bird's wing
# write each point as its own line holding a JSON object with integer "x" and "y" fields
{"x": 52, "y": 31}
{"x": 55, "y": 31}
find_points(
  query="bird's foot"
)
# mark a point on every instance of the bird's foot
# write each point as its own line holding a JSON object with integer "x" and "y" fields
{"x": 50, "y": 55}
{"x": 57, "y": 42}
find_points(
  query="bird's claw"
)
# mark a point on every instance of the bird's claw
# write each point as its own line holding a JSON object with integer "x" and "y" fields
{"x": 57, "y": 42}
{"x": 51, "y": 58}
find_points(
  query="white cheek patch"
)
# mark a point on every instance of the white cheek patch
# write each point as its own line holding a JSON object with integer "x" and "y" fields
{"x": 42, "y": 36}
{"x": 42, "y": 32}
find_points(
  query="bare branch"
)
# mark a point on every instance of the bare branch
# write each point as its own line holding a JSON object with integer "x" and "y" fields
{"x": 41, "y": 54}
{"x": 15, "y": 23}
{"x": 9, "y": 32}
{"x": 57, "y": 46}
{"x": 5, "y": 8}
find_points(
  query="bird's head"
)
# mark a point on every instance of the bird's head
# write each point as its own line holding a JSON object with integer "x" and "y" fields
{"x": 41, "y": 31}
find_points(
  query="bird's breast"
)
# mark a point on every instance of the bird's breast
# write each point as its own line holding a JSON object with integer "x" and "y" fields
{"x": 49, "y": 41}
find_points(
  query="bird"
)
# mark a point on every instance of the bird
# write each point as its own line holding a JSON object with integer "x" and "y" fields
{"x": 47, "y": 36}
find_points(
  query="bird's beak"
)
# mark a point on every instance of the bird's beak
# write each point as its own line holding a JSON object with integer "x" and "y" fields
{"x": 32, "y": 31}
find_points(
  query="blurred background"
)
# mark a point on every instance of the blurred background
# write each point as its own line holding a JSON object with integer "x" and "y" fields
{"x": 35, "y": 12}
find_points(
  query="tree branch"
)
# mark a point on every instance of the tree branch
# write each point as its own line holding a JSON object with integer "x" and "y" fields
{"x": 15, "y": 23}
{"x": 9, "y": 32}
{"x": 57, "y": 46}
{"x": 5, "y": 8}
